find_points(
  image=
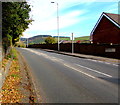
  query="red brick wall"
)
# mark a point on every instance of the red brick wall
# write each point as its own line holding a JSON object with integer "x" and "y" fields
{"x": 91, "y": 49}
{"x": 106, "y": 32}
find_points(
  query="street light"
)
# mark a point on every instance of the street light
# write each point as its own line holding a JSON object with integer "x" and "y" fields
{"x": 57, "y": 25}
{"x": 27, "y": 42}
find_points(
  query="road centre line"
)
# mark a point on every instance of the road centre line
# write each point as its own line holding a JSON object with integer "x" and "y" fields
{"x": 94, "y": 70}
{"x": 46, "y": 56}
{"x": 79, "y": 71}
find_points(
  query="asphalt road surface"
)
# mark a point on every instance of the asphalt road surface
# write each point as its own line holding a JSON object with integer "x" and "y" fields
{"x": 66, "y": 79}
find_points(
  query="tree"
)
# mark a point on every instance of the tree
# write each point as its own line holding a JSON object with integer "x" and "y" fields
{"x": 50, "y": 40}
{"x": 15, "y": 19}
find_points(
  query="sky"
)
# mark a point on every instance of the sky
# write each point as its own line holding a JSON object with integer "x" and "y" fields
{"x": 75, "y": 16}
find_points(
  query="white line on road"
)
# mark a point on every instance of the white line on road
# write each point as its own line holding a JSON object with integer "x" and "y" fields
{"x": 94, "y": 70}
{"x": 46, "y": 56}
{"x": 115, "y": 65}
{"x": 79, "y": 71}
{"x": 107, "y": 63}
{"x": 103, "y": 62}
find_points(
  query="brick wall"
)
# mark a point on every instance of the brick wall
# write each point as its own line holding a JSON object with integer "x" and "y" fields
{"x": 90, "y": 49}
{"x": 106, "y": 32}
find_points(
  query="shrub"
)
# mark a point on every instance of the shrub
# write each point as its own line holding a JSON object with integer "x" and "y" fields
{"x": 20, "y": 44}
{"x": 50, "y": 40}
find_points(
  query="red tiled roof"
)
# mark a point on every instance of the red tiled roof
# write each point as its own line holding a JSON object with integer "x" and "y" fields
{"x": 114, "y": 17}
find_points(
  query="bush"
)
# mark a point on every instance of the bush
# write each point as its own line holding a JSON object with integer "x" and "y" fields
{"x": 20, "y": 44}
{"x": 50, "y": 40}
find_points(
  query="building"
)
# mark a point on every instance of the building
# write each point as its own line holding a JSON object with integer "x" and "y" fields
{"x": 107, "y": 29}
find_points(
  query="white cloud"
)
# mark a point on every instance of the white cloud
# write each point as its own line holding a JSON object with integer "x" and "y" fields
{"x": 44, "y": 15}
{"x": 51, "y": 24}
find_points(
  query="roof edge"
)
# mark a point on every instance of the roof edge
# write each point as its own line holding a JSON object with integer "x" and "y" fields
{"x": 104, "y": 14}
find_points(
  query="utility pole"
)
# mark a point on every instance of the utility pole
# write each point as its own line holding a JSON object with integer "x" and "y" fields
{"x": 72, "y": 43}
{"x": 27, "y": 42}
{"x": 57, "y": 23}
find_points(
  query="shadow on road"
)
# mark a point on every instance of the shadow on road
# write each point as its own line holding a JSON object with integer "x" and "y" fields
{"x": 113, "y": 80}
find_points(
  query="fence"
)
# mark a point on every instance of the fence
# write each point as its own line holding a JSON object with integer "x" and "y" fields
{"x": 105, "y": 50}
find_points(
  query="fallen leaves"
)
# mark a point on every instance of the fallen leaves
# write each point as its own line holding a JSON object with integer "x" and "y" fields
{"x": 10, "y": 90}
{"x": 4, "y": 62}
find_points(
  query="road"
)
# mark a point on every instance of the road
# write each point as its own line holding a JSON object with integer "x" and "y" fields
{"x": 66, "y": 79}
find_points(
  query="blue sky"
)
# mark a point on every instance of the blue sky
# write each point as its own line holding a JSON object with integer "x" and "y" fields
{"x": 75, "y": 16}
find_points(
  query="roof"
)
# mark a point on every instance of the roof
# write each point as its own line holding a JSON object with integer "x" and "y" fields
{"x": 114, "y": 18}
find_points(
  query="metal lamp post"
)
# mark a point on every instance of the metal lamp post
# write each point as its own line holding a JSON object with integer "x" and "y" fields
{"x": 57, "y": 24}
{"x": 27, "y": 42}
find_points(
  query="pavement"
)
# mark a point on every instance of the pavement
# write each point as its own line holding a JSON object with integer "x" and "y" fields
{"x": 98, "y": 58}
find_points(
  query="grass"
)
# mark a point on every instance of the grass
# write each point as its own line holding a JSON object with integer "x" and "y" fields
{"x": 13, "y": 53}
{"x": 62, "y": 38}
{"x": 76, "y": 38}
{"x": 14, "y": 75}
{"x": 82, "y": 38}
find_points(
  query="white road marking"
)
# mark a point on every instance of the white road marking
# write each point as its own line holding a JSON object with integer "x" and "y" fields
{"x": 57, "y": 59}
{"x": 46, "y": 56}
{"x": 94, "y": 70}
{"x": 61, "y": 59}
{"x": 107, "y": 63}
{"x": 102, "y": 62}
{"x": 79, "y": 71}
{"x": 115, "y": 65}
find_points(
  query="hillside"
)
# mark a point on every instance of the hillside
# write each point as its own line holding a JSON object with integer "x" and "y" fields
{"x": 36, "y": 39}
{"x": 62, "y": 38}
{"x": 82, "y": 38}
{"x": 76, "y": 38}
{"x": 41, "y": 39}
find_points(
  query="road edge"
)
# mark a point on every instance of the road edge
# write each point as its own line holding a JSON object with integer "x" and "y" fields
{"x": 27, "y": 68}
{"x": 97, "y": 58}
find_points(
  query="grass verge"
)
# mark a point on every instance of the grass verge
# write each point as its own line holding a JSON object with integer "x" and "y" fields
{"x": 10, "y": 89}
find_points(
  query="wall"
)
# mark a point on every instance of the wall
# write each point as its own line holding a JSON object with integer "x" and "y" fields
{"x": 90, "y": 49}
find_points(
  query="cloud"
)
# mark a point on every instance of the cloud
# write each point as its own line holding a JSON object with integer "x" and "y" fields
{"x": 44, "y": 15}
{"x": 51, "y": 24}
{"x": 112, "y": 8}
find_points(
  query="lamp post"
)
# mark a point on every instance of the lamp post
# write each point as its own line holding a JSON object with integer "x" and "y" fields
{"x": 57, "y": 24}
{"x": 27, "y": 42}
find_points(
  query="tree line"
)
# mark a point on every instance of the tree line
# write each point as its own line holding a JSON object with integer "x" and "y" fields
{"x": 15, "y": 20}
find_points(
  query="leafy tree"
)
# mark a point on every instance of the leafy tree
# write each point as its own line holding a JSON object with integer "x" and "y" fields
{"x": 15, "y": 20}
{"x": 50, "y": 40}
